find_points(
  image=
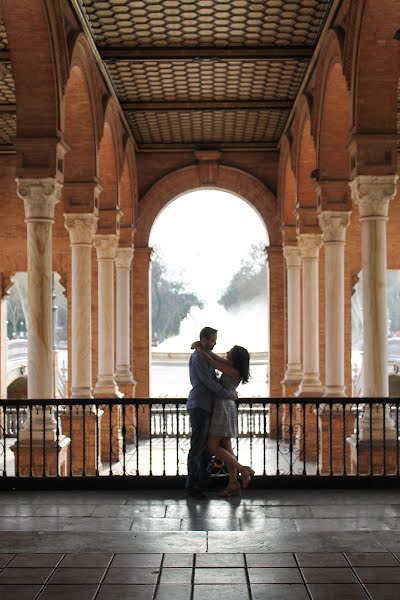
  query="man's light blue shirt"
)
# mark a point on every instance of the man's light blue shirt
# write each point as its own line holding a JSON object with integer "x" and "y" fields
{"x": 205, "y": 384}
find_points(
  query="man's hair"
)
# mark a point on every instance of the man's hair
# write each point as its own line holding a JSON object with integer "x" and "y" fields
{"x": 206, "y": 332}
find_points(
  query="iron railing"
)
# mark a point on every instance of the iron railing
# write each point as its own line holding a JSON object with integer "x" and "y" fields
{"x": 145, "y": 441}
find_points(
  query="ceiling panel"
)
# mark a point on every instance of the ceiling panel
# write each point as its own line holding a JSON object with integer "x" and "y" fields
{"x": 7, "y": 129}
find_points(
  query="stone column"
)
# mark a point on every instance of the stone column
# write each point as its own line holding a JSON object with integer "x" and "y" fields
{"x": 123, "y": 373}
{"x": 333, "y": 225}
{"x": 106, "y": 247}
{"x": 309, "y": 245}
{"x": 106, "y": 387}
{"x": 81, "y": 228}
{"x": 293, "y": 373}
{"x": 40, "y": 197}
{"x": 372, "y": 194}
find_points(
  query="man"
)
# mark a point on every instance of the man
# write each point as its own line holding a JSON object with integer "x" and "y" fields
{"x": 205, "y": 388}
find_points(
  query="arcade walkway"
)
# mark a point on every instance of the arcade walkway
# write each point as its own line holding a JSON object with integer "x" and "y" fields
{"x": 270, "y": 545}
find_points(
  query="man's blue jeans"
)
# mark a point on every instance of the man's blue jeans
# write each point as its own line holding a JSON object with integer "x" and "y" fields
{"x": 198, "y": 457}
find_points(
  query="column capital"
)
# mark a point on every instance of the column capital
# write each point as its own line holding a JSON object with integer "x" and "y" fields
{"x": 123, "y": 258}
{"x": 40, "y": 197}
{"x": 144, "y": 254}
{"x": 81, "y": 227}
{"x": 333, "y": 225}
{"x": 292, "y": 257}
{"x": 106, "y": 245}
{"x": 373, "y": 193}
{"x": 309, "y": 245}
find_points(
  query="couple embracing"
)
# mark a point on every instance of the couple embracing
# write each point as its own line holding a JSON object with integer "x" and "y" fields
{"x": 213, "y": 414}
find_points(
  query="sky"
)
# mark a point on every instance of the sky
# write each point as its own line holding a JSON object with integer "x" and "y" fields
{"x": 203, "y": 236}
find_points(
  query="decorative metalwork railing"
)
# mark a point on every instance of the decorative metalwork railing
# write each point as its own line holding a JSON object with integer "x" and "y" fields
{"x": 143, "y": 439}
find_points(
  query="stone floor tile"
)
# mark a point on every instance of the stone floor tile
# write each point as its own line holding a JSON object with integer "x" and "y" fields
{"x": 222, "y": 592}
{"x": 206, "y": 509}
{"x": 36, "y": 560}
{"x": 176, "y": 575}
{"x": 354, "y": 511}
{"x": 19, "y": 592}
{"x": 317, "y": 559}
{"x": 24, "y": 576}
{"x": 268, "y": 525}
{"x": 203, "y": 524}
{"x": 136, "y": 560}
{"x": 383, "y": 591}
{"x": 17, "y": 510}
{"x": 32, "y": 524}
{"x": 390, "y": 540}
{"x": 132, "y": 575}
{"x": 278, "y": 591}
{"x": 156, "y": 524}
{"x": 5, "y": 559}
{"x": 280, "y": 559}
{"x": 393, "y": 523}
{"x": 288, "y": 512}
{"x": 76, "y": 575}
{"x": 333, "y": 591}
{"x": 69, "y": 592}
{"x": 129, "y": 511}
{"x": 221, "y": 575}
{"x": 93, "y": 560}
{"x": 178, "y": 560}
{"x": 353, "y": 524}
{"x": 75, "y": 510}
{"x": 274, "y": 575}
{"x": 328, "y": 575}
{"x": 98, "y": 524}
{"x": 211, "y": 560}
{"x": 174, "y": 591}
{"x": 378, "y": 574}
{"x": 371, "y": 559}
{"x": 126, "y": 592}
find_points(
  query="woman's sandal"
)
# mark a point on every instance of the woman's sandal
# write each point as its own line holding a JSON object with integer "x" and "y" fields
{"x": 232, "y": 489}
{"x": 246, "y": 474}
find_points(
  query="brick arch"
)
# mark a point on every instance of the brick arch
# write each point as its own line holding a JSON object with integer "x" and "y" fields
{"x": 286, "y": 184}
{"x": 332, "y": 112}
{"x": 189, "y": 179}
{"x": 36, "y": 32}
{"x": 304, "y": 155}
{"x": 128, "y": 193}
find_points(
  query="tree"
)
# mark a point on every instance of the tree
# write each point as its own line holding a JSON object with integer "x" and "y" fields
{"x": 171, "y": 302}
{"x": 249, "y": 282}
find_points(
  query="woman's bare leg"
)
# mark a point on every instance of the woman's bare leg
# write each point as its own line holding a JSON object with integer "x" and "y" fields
{"x": 232, "y": 471}
{"x": 215, "y": 448}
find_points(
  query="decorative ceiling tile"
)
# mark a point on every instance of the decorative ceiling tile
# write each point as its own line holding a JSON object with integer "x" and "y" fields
{"x": 7, "y": 87}
{"x": 8, "y": 127}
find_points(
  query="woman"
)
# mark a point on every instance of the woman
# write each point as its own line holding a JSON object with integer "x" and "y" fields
{"x": 235, "y": 370}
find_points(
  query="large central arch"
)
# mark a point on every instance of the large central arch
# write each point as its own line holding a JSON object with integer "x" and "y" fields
{"x": 165, "y": 190}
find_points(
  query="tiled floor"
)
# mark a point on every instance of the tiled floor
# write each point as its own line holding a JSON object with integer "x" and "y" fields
{"x": 274, "y": 544}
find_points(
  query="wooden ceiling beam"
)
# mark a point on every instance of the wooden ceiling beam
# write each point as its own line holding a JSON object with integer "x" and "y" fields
{"x": 4, "y": 56}
{"x": 278, "y": 104}
{"x": 8, "y": 108}
{"x": 223, "y": 146}
{"x": 210, "y": 52}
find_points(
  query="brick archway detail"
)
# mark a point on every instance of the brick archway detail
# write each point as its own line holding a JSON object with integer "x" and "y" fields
{"x": 189, "y": 179}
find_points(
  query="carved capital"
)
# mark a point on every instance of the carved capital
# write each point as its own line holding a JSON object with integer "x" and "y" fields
{"x": 373, "y": 193}
{"x": 292, "y": 256}
{"x": 309, "y": 245}
{"x": 81, "y": 228}
{"x": 6, "y": 281}
{"x": 123, "y": 258}
{"x": 40, "y": 197}
{"x": 333, "y": 226}
{"x": 106, "y": 246}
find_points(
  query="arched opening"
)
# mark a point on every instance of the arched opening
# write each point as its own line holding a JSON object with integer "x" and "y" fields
{"x": 209, "y": 268}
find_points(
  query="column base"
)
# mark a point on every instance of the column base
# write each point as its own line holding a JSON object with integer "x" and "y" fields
{"x": 84, "y": 440}
{"x": 370, "y": 458}
{"x": 128, "y": 390}
{"x": 335, "y": 391}
{"x": 340, "y": 448}
{"x": 105, "y": 388}
{"x": 84, "y": 393}
{"x": 33, "y": 461}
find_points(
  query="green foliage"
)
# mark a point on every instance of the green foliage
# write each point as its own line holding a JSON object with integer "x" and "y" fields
{"x": 249, "y": 282}
{"x": 171, "y": 302}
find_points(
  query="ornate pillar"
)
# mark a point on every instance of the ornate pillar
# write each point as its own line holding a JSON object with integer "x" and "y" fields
{"x": 141, "y": 325}
{"x": 81, "y": 229}
{"x": 372, "y": 194}
{"x": 293, "y": 373}
{"x": 5, "y": 284}
{"x": 309, "y": 245}
{"x": 40, "y": 197}
{"x": 123, "y": 373}
{"x": 333, "y": 225}
{"x": 106, "y": 247}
